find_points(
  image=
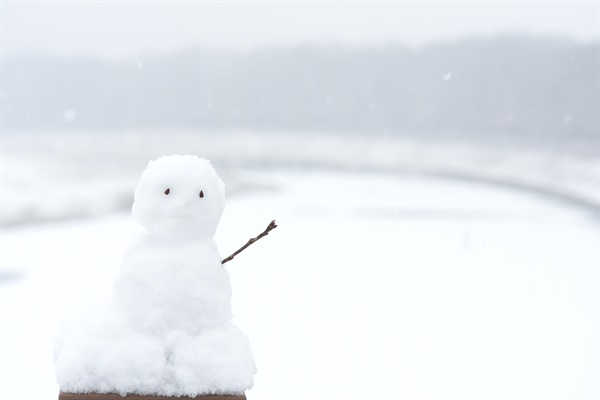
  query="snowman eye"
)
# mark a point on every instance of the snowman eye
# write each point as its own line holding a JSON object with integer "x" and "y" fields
{"x": 167, "y": 191}
{"x": 201, "y": 194}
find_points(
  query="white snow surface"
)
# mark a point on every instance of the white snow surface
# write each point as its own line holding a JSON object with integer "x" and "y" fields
{"x": 168, "y": 330}
{"x": 88, "y": 173}
{"x": 374, "y": 286}
{"x": 100, "y": 352}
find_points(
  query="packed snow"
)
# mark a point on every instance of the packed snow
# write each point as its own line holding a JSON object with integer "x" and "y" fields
{"x": 168, "y": 330}
{"x": 378, "y": 286}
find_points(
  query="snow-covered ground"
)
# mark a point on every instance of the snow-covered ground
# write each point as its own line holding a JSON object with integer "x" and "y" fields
{"x": 374, "y": 285}
{"x": 79, "y": 174}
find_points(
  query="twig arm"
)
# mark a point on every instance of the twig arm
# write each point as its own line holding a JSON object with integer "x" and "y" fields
{"x": 271, "y": 226}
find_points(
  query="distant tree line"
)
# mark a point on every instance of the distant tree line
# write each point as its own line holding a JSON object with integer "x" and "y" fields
{"x": 515, "y": 88}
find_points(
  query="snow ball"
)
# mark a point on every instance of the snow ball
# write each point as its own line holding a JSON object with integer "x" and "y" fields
{"x": 179, "y": 194}
{"x": 166, "y": 285}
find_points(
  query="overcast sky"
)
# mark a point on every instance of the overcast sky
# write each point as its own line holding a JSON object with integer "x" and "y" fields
{"x": 135, "y": 29}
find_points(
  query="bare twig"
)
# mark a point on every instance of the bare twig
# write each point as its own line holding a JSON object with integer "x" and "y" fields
{"x": 271, "y": 226}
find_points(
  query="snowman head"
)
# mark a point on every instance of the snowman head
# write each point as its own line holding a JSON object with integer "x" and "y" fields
{"x": 179, "y": 194}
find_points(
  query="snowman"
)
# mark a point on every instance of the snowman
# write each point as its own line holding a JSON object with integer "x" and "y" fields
{"x": 171, "y": 277}
{"x": 168, "y": 329}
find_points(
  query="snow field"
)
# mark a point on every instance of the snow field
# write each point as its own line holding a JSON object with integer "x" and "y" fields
{"x": 409, "y": 288}
{"x": 373, "y": 286}
{"x": 88, "y": 173}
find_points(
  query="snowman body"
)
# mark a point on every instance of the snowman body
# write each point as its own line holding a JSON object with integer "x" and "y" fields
{"x": 163, "y": 287}
{"x": 171, "y": 277}
{"x": 168, "y": 330}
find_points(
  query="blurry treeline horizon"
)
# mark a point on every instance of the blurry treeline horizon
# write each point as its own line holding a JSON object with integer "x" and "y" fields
{"x": 507, "y": 89}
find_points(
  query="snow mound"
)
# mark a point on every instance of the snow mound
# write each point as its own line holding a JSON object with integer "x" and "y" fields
{"x": 98, "y": 351}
